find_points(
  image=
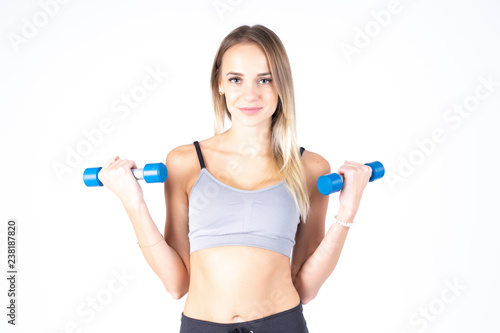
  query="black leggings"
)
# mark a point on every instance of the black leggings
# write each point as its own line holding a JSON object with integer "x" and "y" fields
{"x": 289, "y": 321}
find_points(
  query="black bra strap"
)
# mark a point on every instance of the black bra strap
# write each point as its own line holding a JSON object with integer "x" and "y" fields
{"x": 302, "y": 150}
{"x": 200, "y": 156}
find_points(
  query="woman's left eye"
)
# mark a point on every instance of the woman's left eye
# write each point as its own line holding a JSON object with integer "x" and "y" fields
{"x": 268, "y": 80}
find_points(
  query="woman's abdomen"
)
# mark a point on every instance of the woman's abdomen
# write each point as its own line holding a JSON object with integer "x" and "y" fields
{"x": 239, "y": 283}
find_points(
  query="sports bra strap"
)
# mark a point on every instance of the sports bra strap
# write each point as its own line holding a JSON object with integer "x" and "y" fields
{"x": 200, "y": 156}
{"x": 202, "y": 162}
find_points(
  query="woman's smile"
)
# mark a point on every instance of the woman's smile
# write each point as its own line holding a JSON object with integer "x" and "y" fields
{"x": 249, "y": 110}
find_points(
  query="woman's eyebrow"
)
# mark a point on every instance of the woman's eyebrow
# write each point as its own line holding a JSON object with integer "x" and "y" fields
{"x": 233, "y": 73}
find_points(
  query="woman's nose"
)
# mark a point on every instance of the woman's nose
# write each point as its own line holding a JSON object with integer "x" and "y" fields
{"x": 251, "y": 92}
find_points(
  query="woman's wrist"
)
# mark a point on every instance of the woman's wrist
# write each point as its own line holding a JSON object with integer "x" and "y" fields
{"x": 346, "y": 215}
{"x": 133, "y": 203}
{"x": 134, "y": 207}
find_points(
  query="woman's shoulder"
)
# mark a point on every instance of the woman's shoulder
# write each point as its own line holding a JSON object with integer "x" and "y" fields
{"x": 313, "y": 160}
{"x": 183, "y": 165}
{"x": 181, "y": 156}
{"x": 185, "y": 155}
{"x": 182, "y": 160}
{"x": 315, "y": 165}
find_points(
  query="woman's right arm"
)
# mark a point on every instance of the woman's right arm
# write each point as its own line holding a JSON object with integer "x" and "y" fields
{"x": 168, "y": 257}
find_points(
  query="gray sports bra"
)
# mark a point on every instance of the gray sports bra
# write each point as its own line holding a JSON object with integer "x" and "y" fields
{"x": 223, "y": 215}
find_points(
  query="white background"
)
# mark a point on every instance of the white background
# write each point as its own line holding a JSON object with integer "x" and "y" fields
{"x": 433, "y": 218}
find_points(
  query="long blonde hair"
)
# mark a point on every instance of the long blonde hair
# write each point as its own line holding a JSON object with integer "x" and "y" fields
{"x": 285, "y": 151}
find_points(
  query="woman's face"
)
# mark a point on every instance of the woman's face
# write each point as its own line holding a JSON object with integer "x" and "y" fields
{"x": 247, "y": 83}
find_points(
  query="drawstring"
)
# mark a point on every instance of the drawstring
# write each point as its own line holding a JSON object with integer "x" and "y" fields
{"x": 241, "y": 330}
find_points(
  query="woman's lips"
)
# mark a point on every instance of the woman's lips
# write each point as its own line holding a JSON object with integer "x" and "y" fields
{"x": 249, "y": 110}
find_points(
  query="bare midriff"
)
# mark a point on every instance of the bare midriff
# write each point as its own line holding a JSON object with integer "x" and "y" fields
{"x": 239, "y": 283}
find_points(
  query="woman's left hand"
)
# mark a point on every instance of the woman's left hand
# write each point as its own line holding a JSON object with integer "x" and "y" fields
{"x": 356, "y": 176}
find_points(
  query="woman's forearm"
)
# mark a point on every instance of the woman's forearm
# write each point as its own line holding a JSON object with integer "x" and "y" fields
{"x": 161, "y": 257}
{"x": 318, "y": 267}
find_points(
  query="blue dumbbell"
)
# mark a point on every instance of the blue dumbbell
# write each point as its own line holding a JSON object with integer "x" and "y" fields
{"x": 333, "y": 182}
{"x": 151, "y": 173}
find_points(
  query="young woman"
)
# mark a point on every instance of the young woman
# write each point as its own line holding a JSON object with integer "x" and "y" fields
{"x": 245, "y": 228}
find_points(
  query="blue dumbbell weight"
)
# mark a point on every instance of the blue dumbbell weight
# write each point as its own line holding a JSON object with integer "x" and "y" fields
{"x": 333, "y": 182}
{"x": 151, "y": 173}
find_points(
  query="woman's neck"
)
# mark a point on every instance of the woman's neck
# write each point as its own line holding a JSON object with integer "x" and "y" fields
{"x": 249, "y": 142}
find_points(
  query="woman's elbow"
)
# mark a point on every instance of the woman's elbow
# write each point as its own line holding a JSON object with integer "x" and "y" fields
{"x": 177, "y": 291}
{"x": 305, "y": 292}
{"x": 177, "y": 295}
{"x": 307, "y": 298}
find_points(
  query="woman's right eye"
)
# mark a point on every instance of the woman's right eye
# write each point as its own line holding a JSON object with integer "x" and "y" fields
{"x": 233, "y": 78}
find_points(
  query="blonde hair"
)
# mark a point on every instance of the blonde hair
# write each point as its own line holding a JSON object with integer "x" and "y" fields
{"x": 285, "y": 151}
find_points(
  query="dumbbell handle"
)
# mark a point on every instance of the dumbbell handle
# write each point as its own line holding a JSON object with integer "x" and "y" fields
{"x": 151, "y": 173}
{"x": 373, "y": 176}
{"x": 138, "y": 173}
{"x": 333, "y": 182}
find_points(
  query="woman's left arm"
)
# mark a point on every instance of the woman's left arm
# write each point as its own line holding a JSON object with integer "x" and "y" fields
{"x": 313, "y": 261}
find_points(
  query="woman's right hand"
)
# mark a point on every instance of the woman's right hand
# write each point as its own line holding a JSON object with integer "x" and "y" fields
{"x": 119, "y": 179}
